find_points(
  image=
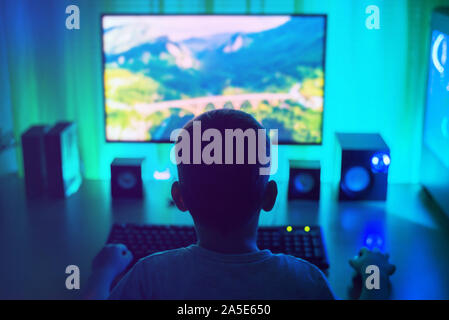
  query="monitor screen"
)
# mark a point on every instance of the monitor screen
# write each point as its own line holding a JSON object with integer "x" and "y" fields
{"x": 160, "y": 71}
{"x": 436, "y": 123}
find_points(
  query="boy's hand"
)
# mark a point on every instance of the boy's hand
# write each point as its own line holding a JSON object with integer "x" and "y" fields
{"x": 112, "y": 260}
{"x": 108, "y": 263}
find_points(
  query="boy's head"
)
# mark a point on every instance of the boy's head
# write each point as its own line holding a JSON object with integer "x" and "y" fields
{"x": 223, "y": 197}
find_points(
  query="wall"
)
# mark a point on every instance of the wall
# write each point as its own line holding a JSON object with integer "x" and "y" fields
{"x": 374, "y": 78}
{"x": 8, "y": 161}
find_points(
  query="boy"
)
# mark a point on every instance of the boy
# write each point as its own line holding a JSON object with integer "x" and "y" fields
{"x": 225, "y": 201}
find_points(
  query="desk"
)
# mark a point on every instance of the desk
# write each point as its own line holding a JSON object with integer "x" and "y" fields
{"x": 39, "y": 238}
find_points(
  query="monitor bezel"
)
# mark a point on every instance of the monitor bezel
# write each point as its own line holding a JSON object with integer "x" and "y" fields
{"x": 292, "y": 143}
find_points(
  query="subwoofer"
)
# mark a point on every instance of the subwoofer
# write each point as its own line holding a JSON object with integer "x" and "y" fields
{"x": 33, "y": 152}
{"x": 365, "y": 159}
{"x": 304, "y": 180}
{"x": 62, "y": 160}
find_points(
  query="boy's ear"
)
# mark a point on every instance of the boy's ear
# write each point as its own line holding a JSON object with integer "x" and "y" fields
{"x": 177, "y": 196}
{"x": 270, "y": 195}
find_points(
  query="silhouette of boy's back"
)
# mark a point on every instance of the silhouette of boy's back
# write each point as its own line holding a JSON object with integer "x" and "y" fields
{"x": 225, "y": 201}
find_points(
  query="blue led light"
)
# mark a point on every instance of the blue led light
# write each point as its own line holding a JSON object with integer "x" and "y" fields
{"x": 374, "y": 241}
{"x": 373, "y": 235}
{"x": 380, "y": 162}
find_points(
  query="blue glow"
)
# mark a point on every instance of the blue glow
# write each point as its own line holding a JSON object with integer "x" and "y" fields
{"x": 386, "y": 159}
{"x": 356, "y": 179}
{"x": 374, "y": 235}
{"x": 304, "y": 183}
{"x": 436, "y": 45}
{"x": 380, "y": 162}
{"x": 374, "y": 241}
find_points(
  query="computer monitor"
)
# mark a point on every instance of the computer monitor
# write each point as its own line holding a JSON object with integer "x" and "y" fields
{"x": 160, "y": 71}
{"x": 435, "y": 152}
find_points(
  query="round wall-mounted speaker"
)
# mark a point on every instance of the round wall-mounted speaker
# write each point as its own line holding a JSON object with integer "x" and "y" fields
{"x": 356, "y": 180}
{"x": 304, "y": 182}
{"x": 126, "y": 180}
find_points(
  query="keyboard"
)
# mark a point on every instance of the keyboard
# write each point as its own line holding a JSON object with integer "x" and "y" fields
{"x": 305, "y": 242}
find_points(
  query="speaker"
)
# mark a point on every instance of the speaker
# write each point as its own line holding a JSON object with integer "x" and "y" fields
{"x": 126, "y": 178}
{"x": 365, "y": 159}
{"x": 62, "y": 160}
{"x": 304, "y": 180}
{"x": 33, "y": 152}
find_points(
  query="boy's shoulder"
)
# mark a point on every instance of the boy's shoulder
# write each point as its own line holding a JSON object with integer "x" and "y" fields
{"x": 281, "y": 258}
{"x": 302, "y": 273}
{"x": 164, "y": 256}
{"x": 300, "y": 265}
{"x": 287, "y": 264}
{"x": 164, "y": 268}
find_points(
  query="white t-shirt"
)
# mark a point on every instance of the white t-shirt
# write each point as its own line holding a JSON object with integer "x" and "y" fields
{"x": 196, "y": 273}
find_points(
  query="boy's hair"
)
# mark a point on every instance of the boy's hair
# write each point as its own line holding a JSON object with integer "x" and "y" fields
{"x": 224, "y": 196}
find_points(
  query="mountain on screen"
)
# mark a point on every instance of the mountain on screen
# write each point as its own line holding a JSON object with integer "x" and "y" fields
{"x": 249, "y": 61}
{"x": 157, "y": 79}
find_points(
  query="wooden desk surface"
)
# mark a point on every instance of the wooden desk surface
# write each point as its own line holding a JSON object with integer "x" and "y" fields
{"x": 39, "y": 238}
